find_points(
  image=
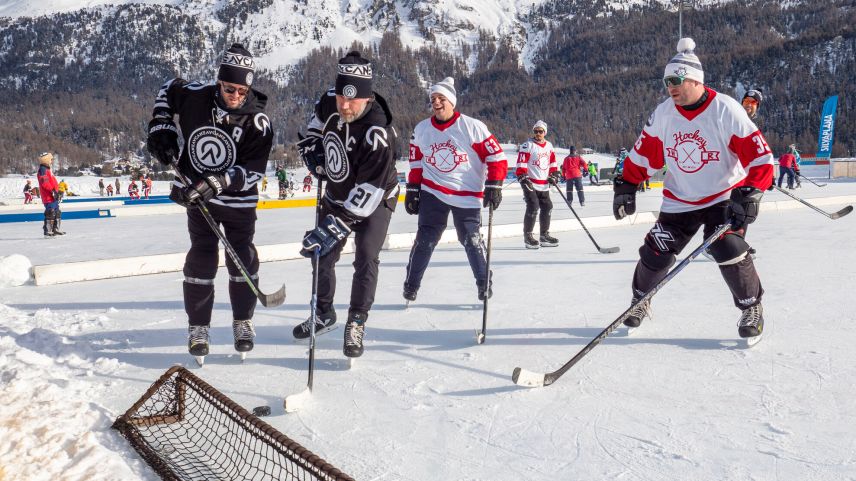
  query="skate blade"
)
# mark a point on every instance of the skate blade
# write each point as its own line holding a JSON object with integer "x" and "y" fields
{"x": 200, "y": 360}
{"x": 352, "y": 362}
{"x": 243, "y": 356}
{"x": 751, "y": 341}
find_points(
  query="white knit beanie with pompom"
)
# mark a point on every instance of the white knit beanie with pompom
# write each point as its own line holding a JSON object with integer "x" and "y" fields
{"x": 685, "y": 64}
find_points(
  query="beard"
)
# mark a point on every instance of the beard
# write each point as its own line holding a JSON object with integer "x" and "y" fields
{"x": 351, "y": 115}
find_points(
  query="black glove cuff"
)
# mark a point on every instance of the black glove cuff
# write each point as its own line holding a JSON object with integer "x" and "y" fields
{"x": 621, "y": 186}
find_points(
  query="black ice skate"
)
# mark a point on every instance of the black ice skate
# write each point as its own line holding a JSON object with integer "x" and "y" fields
{"x": 640, "y": 311}
{"x": 197, "y": 343}
{"x": 530, "y": 241}
{"x": 409, "y": 293}
{"x": 480, "y": 285}
{"x": 547, "y": 240}
{"x": 324, "y": 322}
{"x": 244, "y": 334}
{"x": 751, "y": 324}
{"x": 354, "y": 331}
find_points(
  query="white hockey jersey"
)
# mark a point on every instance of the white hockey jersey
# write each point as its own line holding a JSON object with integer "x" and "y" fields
{"x": 537, "y": 161}
{"x": 452, "y": 160}
{"x": 708, "y": 152}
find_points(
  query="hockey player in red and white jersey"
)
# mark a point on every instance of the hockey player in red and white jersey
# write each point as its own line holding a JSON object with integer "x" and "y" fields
{"x": 456, "y": 166}
{"x": 719, "y": 166}
{"x": 537, "y": 170}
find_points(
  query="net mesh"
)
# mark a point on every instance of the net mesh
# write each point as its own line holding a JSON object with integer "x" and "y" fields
{"x": 187, "y": 430}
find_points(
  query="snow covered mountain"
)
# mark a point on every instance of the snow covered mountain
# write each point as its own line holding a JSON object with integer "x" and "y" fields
{"x": 281, "y": 32}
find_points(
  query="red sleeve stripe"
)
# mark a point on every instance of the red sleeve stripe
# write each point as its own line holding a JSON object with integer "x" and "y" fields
{"x": 497, "y": 170}
{"x": 760, "y": 177}
{"x": 634, "y": 173}
{"x": 749, "y": 148}
{"x": 415, "y": 176}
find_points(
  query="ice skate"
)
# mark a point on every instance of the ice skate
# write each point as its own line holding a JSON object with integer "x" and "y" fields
{"x": 354, "y": 331}
{"x": 244, "y": 334}
{"x": 197, "y": 343}
{"x": 637, "y": 313}
{"x": 325, "y": 322}
{"x": 530, "y": 241}
{"x": 546, "y": 240}
{"x": 409, "y": 295}
{"x": 481, "y": 288}
{"x": 751, "y": 324}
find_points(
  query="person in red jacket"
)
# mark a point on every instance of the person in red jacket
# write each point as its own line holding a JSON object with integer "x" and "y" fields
{"x": 787, "y": 164}
{"x": 572, "y": 169}
{"x": 48, "y": 186}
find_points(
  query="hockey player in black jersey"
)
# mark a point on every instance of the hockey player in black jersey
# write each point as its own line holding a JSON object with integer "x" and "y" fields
{"x": 350, "y": 144}
{"x": 226, "y": 142}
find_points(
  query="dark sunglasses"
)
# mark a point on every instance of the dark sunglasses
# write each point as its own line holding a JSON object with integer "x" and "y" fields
{"x": 673, "y": 81}
{"x": 231, "y": 90}
{"x": 538, "y": 131}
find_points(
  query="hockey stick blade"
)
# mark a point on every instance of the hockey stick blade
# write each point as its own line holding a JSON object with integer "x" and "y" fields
{"x": 274, "y": 299}
{"x": 841, "y": 213}
{"x": 609, "y": 250}
{"x": 296, "y": 402}
{"x": 522, "y": 377}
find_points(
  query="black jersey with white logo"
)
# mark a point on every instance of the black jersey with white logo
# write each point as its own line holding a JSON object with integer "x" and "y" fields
{"x": 232, "y": 142}
{"x": 360, "y": 157}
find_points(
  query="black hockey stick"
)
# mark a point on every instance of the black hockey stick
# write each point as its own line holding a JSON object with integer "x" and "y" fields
{"x": 295, "y": 401}
{"x": 481, "y": 334}
{"x": 835, "y": 215}
{"x": 522, "y": 377}
{"x": 813, "y": 182}
{"x": 602, "y": 250}
{"x": 267, "y": 300}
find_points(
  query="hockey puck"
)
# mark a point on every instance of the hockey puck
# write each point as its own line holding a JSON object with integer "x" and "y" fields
{"x": 260, "y": 411}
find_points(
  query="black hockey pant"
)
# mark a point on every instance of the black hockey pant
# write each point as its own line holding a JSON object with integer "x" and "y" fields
{"x": 369, "y": 236}
{"x": 200, "y": 265}
{"x": 670, "y": 235}
{"x": 575, "y": 183}
{"x": 535, "y": 200}
{"x": 433, "y": 218}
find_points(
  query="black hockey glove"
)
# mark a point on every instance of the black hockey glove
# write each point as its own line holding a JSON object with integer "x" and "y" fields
{"x": 745, "y": 204}
{"x": 585, "y": 173}
{"x": 330, "y": 231}
{"x": 162, "y": 141}
{"x": 525, "y": 182}
{"x": 492, "y": 194}
{"x": 624, "y": 202}
{"x": 411, "y": 199}
{"x": 203, "y": 190}
{"x": 311, "y": 150}
{"x": 554, "y": 178}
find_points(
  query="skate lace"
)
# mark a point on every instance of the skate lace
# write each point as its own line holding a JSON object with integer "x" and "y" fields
{"x": 354, "y": 334}
{"x": 198, "y": 335}
{"x": 243, "y": 330}
{"x": 641, "y": 310}
{"x": 751, "y": 317}
{"x": 306, "y": 326}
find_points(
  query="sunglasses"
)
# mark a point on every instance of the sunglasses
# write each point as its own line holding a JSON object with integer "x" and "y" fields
{"x": 749, "y": 101}
{"x": 673, "y": 81}
{"x": 538, "y": 131}
{"x": 242, "y": 91}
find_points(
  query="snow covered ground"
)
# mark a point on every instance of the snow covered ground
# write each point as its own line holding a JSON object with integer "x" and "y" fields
{"x": 678, "y": 400}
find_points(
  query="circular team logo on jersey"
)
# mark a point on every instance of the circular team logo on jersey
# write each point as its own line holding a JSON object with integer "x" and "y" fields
{"x": 690, "y": 151}
{"x": 337, "y": 158}
{"x": 211, "y": 150}
{"x": 445, "y": 156}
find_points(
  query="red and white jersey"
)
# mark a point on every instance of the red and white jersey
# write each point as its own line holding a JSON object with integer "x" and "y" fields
{"x": 452, "y": 160}
{"x": 709, "y": 151}
{"x": 537, "y": 161}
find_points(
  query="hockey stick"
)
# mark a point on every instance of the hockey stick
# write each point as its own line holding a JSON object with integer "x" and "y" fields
{"x": 602, "y": 250}
{"x": 835, "y": 215}
{"x": 522, "y": 377}
{"x": 295, "y": 401}
{"x": 813, "y": 182}
{"x": 267, "y": 300}
{"x": 481, "y": 334}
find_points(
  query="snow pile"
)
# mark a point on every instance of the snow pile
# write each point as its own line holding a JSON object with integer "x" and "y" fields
{"x": 14, "y": 270}
{"x": 50, "y": 422}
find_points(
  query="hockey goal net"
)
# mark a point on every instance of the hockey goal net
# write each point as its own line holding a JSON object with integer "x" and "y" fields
{"x": 187, "y": 430}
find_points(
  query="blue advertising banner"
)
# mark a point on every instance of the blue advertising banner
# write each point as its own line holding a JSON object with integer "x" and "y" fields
{"x": 827, "y": 126}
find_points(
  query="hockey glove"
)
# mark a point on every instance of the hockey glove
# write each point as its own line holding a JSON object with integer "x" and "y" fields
{"x": 554, "y": 178}
{"x": 330, "y": 231}
{"x": 411, "y": 199}
{"x": 204, "y": 190}
{"x": 525, "y": 182}
{"x": 162, "y": 141}
{"x": 311, "y": 150}
{"x": 624, "y": 202}
{"x": 745, "y": 204}
{"x": 492, "y": 194}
